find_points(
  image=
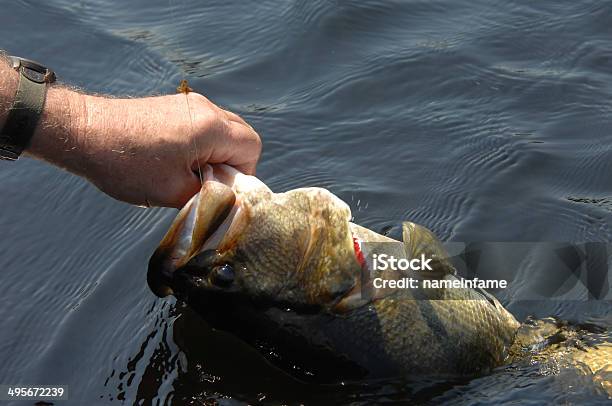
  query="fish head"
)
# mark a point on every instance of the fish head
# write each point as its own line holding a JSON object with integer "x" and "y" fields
{"x": 238, "y": 239}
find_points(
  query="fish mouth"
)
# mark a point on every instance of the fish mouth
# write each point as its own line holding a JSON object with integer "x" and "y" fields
{"x": 201, "y": 224}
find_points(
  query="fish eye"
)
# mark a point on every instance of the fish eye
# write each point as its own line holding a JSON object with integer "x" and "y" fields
{"x": 222, "y": 275}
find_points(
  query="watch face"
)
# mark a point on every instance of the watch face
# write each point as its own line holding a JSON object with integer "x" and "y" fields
{"x": 33, "y": 75}
{"x": 33, "y": 70}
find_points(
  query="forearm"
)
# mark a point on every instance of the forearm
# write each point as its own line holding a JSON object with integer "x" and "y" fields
{"x": 57, "y": 138}
{"x": 143, "y": 150}
{"x": 86, "y": 134}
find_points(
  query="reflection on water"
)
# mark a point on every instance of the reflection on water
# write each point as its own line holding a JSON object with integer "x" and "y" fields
{"x": 484, "y": 121}
{"x": 149, "y": 373}
{"x": 184, "y": 361}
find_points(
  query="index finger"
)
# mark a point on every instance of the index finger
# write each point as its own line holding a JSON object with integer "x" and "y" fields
{"x": 238, "y": 146}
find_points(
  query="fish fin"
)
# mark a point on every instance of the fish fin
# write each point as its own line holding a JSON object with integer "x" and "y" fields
{"x": 420, "y": 240}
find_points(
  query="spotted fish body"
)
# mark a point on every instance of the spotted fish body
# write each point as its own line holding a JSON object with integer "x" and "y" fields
{"x": 283, "y": 272}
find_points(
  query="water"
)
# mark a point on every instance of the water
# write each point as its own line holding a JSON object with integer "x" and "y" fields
{"x": 482, "y": 120}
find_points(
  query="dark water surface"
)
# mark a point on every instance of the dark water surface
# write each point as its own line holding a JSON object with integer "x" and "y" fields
{"x": 482, "y": 120}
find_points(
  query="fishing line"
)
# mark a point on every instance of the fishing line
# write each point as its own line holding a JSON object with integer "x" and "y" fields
{"x": 184, "y": 88}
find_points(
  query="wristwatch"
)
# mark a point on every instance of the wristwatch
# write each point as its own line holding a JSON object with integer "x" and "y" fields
{"x": 24, "y": 114}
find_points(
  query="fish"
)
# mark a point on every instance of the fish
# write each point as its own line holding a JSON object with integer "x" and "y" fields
{"x": 288, "y": 273}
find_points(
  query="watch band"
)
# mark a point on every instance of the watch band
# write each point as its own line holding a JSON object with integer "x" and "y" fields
{"x": 27, "y": 108}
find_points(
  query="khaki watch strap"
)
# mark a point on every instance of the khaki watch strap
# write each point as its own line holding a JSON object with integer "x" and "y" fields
{"x": 27, "y": 108}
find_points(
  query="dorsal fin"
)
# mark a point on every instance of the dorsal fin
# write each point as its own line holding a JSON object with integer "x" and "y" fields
{"x": 419, "y": 240}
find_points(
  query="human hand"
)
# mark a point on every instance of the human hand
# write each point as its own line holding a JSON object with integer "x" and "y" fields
{"x": 144, "y": 151}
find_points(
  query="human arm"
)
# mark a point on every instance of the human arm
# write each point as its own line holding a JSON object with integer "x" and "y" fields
{"x": 144, "y": 151}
